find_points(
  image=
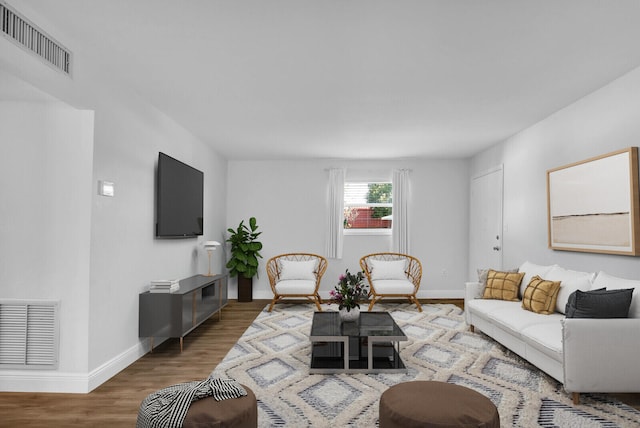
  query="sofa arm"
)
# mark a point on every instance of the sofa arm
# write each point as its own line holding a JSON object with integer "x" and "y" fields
{"x": 601, "y": 355}
{"x": 472, "y": 290}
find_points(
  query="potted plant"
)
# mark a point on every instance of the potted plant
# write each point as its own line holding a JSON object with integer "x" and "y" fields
{"x": 243, "y": 263}
{"x": 350, "y": 290}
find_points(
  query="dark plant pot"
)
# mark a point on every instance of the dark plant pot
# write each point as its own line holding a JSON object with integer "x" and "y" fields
{"x": 245, "y": 289}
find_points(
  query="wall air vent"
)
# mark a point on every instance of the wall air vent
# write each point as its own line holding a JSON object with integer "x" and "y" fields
{"x": 28, "y": 334}
{"x": 28, "y": 36}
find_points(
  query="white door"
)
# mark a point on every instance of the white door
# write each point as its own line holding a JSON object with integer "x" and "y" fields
{"x": 485, "y": 225}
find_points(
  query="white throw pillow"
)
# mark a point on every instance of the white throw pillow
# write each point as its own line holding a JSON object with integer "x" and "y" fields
{"x": 570, "y": 281}
{"x": 293, "y": 269}
{"x": 530, "y": 270}
{"x": 614, "y": 283}
{"x": 388, "y": 269}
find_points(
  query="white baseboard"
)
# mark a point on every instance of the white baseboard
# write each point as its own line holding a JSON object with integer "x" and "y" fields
{"x": 114, "y": 366}
{"x": 43, "y": 381}
{"x": 71, "y": 382}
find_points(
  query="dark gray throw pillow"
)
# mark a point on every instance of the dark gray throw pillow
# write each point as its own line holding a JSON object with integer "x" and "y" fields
{"x": 600, "y": 303}
{"x": 570, "y": 308}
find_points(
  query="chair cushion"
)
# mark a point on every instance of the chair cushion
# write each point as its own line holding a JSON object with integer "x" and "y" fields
{"x": 393, "y": 286}
{"x": 295, "y": 286}
{"x": 297, "y": 269}
{"x": 388, "y": 269}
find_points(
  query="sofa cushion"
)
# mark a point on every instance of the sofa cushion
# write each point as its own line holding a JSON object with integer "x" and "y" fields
{"x": 393, "y": 286}
{"x": 530, "y": 270}
{"x": 388, "y": 269}
{"x": 502, "y": 285}
{"x": 484, "y": 307}
{"x": 540, "y": 296}
{"x": 613, "y": 283}
{"x": 599, "y": 303}
{"x": 515, "y": 319}
{"x": 545, "y": 337}
{"x": 570, "y": 281}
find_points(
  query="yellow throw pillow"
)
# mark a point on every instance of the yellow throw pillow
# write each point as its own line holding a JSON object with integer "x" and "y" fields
{"x": 540, "y": 295}
{"x": 502, "y": 285}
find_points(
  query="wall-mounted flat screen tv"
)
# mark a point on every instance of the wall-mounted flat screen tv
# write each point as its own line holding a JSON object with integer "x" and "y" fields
{"x": 179, "y": 199}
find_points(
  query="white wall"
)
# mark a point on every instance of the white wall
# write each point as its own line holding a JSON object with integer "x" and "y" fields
{"x": 125, "y": 255}
{"x": 115, "y": 252}
{"x": 288, "y": 198}
{"x": 45, "y": 183}
{"x": 599, "y": 123}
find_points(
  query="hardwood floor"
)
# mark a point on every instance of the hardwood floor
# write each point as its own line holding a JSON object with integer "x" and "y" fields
{"x": 115, "y": 403}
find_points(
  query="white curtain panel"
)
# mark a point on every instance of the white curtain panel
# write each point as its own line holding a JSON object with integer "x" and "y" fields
{"x": 400, "y": 196}
{"x": 335, "y": 215}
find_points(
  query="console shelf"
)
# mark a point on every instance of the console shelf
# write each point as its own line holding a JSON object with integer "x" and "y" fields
{"x": 177, "y": 314}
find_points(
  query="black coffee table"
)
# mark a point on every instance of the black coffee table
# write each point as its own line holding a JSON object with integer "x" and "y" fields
{"x": 369, "y": 345}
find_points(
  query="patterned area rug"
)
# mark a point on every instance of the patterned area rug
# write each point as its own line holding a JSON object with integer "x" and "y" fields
{"x": 272, "y": 358}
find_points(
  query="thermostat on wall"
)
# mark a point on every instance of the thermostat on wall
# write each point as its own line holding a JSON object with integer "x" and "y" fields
{"x": 106, "y": 188}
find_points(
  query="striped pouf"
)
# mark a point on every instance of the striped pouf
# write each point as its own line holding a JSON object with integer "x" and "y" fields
{"x": 208, "y": 403}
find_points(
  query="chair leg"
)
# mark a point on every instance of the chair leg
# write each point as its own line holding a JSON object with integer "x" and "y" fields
{"x": 415, "y": 300}
{"x": 273, "y": 302}
{"x": 373, "y": 302}
{"x": 319, "y": 298}
{"x": 317, "y": 302}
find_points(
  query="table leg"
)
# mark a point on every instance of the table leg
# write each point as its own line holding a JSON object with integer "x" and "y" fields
{"x": 346, "y": 354}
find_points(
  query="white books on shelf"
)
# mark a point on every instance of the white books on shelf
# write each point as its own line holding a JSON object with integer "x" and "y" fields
{"x": 164, "y": 285}
{"x": 164, "y": 281}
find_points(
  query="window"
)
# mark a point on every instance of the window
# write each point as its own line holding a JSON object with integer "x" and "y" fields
{"x": 367, "y": 207}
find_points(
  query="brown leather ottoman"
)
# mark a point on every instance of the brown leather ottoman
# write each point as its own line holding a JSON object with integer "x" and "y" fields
{"x": 234, "y": 412}
{"x": 436, "y": 404}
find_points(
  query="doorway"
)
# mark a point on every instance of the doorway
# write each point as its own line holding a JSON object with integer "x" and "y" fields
{"x": 485, "y": 224}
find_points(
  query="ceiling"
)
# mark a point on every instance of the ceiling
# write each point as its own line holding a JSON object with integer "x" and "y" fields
{"x": 366, "y": 79}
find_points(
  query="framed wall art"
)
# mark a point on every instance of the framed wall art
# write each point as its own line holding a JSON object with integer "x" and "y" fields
{"x": 593, "y": 205}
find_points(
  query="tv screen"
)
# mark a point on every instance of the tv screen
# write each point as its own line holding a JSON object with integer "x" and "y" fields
{"x": 179, "y": 199}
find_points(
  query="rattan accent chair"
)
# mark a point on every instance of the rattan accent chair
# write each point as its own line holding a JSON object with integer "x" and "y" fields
{"x": 392, "y": 275}
{"x": 296, "y": 275}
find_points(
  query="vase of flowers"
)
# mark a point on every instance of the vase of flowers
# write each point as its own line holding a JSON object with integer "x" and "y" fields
{"x": 350, "y": 290}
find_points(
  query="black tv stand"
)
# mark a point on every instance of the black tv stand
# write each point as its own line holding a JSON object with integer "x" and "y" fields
{"x": 177, "y": 314}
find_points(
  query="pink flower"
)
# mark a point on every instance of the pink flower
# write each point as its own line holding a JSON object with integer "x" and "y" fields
{"x": 341, "y": 277}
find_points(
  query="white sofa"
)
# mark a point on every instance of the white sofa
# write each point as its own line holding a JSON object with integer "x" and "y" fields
{"x": 585, "y": 354}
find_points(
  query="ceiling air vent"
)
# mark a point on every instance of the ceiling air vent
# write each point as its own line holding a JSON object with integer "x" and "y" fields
{"x": 30, "y": 37}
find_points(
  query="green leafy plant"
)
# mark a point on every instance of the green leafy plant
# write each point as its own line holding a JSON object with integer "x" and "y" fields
{"x": 379, "y": 192}
{"x": 245, "y": 249}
